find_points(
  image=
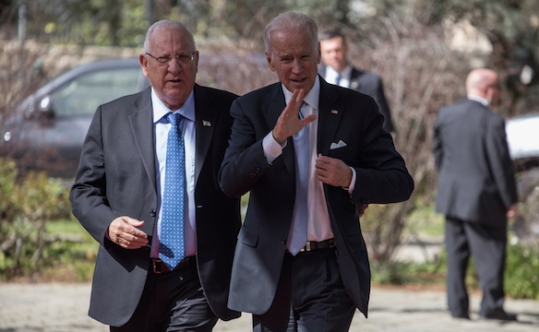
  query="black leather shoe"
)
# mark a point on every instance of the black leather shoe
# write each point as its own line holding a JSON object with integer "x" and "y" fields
{"x": 500, "y": 315}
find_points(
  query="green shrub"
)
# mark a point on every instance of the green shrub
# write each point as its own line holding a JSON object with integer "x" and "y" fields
{"x": 26, "y": 205}
{"x": 522, "y": 272}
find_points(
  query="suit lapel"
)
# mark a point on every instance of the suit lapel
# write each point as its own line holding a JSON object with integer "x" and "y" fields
{"x": 355, "y": 76}
{"x": 273, "y": 105}
{"x": 329, "y": 116}
{"x": 205, "y": 122}
{"x": 141, "y": 124}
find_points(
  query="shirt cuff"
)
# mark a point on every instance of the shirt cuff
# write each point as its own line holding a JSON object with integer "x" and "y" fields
{"x": 352, "y": 185}
{"x": 272, "y": 148}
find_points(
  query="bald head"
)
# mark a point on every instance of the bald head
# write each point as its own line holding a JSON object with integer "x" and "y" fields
{"x": 484, "y": 83}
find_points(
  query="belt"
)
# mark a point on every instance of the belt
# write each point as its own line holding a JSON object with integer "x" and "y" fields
{"x": 159, "y": 267}
{"x": 311, "y": 245}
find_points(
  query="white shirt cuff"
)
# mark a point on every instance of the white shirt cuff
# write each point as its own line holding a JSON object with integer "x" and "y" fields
{"x": 352, "y": 185}
{"x": 272, "y": 148}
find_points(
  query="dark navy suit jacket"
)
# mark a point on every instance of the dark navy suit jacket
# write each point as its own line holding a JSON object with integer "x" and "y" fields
{"x": 369, "y": 84}
{"x": 382, "y": 177}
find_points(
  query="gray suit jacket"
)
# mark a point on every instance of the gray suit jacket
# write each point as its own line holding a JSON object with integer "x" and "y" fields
{"x": 369, "y": 84}
{"x": 476, "y": 181}
{"x": 116, "y": 176}
{"x": 382, "y": 177}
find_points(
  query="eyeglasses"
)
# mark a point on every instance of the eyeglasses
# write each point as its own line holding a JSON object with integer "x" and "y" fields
{"x": 183, "y": 58}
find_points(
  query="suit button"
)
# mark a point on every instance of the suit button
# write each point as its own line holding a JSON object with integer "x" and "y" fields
{"x": 152, "y": 213}
{"x": 283, "y": 240}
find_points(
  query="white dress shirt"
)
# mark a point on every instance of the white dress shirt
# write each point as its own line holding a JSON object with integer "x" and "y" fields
{"x": 331, "y": 76}
{"x": 161, "y": 128}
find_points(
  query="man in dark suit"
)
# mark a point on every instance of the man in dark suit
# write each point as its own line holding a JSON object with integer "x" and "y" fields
{"x": 337, "y": 70}
{"x": 476, "y": 193}
{"x": 120, "y": 197}
{"x": 307, "y": 151}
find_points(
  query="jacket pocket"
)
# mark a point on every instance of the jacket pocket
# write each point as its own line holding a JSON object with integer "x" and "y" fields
{"x": 343, "y": 153}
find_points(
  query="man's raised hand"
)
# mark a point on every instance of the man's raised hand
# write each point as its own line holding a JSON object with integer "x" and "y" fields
{"x": 289, "y": 122}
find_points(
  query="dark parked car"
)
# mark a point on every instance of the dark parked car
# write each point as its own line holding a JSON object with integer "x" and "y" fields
{"x": 523, "y": 140}
{"x": 47, "y": 129}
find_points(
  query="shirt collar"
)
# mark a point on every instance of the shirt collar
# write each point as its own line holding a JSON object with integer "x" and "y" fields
{"x": 481, "y": 100}
{"x": 160, "y": 110}
{"x": 345, "y": 73}
{"x": 311, "y": 98}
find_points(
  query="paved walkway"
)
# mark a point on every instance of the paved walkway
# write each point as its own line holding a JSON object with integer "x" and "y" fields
{"x": 59, "y": 307}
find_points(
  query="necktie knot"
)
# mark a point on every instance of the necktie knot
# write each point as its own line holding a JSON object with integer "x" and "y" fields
{"x": 174, "y": 118}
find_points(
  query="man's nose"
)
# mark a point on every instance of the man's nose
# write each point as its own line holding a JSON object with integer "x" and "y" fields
{"x": 297, "y": 66}
{"x": 174, "y": 66}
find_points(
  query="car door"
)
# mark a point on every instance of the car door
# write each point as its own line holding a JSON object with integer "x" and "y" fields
{"x": 53, "y": 139}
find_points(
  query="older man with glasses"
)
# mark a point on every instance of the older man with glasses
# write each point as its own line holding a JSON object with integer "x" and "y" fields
{"x": 147, "y": 191}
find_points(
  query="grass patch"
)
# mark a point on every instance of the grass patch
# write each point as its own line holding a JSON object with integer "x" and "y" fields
{"x": 425, "y": 222}
{"x": 409, "y": 273}
{"x": 76, "y": 259}
{"x": 66, "y": 226}
{"x": 70, "y": 254}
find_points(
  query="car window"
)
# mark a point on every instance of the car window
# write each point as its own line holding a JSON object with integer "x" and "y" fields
{"x": 85, "y": 93}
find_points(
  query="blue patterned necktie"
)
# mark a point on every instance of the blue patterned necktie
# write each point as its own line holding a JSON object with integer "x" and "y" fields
{"x": 171, "y": 242}
{"x": 297, "y": 238}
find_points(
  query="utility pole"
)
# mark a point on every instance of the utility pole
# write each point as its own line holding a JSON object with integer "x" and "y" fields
{"x": 148, "y": 8}
{"x": 22, "y": 23}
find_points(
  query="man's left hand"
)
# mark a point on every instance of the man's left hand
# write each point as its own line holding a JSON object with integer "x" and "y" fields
{"x": 333, "y": 171}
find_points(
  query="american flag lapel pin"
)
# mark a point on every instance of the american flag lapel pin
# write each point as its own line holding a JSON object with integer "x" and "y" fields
{"x": 206, "y": 123}
{"x": 334, "y": 112}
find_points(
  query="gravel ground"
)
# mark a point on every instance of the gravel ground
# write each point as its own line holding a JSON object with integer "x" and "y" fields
{"x": 58, "y": 307}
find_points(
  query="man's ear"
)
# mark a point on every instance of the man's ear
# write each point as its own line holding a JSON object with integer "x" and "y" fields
{"x": 270, "y": 63}
{"x": 144, "y": 64}
{"x": 197, "y": 55}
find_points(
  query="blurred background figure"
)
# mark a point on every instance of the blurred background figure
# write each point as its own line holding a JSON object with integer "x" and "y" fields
{"x": 476, "y": 193}
{"x": 337, "y": 70}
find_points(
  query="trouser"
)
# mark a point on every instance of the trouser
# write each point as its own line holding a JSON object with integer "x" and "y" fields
{"x": 487, "y": 246}
{"x": 310, "y": 296}
{"x": 171, "y": 301}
